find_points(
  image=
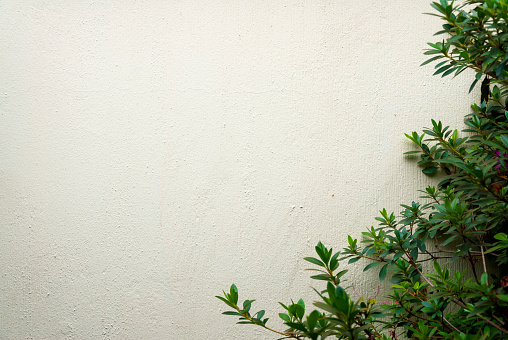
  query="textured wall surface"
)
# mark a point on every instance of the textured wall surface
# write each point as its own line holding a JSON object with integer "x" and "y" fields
{"x": 154, "y": 152}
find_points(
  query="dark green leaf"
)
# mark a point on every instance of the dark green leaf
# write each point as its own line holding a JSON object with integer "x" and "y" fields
{"x": 382, "y": 272}
{"x": 353, "y": 260}
{"x": 296, "y": 326}
{"x": 371, "y": 265}
{"x": 284, "y": 317}
{"x": 323, "y": 277}
{"x": 314, "y": 261}
{"x": 431, "y": 60}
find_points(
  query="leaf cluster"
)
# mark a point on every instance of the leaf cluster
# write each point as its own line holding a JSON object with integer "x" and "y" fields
{"x": 477, "y": 38}
{"x": 446, "y": 256}
{"x": 340, "y": 316}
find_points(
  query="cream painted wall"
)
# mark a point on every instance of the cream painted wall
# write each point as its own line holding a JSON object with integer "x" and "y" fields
{"x": 154, "y": 152}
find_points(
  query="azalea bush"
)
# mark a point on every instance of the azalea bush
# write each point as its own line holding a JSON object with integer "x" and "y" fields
{"x": 460, "y": 223}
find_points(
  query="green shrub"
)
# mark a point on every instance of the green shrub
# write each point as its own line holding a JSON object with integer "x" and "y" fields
{"x": 464, "y": 219}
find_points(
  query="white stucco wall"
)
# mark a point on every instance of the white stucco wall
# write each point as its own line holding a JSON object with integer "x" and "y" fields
{"x": 154, "y": 152}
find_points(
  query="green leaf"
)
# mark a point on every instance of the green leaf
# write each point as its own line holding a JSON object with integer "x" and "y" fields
{"x": 323, "y": 277}
{"x": 225, "y": 301}
{"x": 334, "y": 263}
{"x": 296, "y": 310}
{"x": 296, "y": 326}
{"x": 312, "y": 319}
{"x": 231, "y": 313}
{"x": 421, "y": 245}
{"x": 414, "y": 253}
{"x": 501, "y": 67}
{"x": 473, "y": 85}
{"x": 382, "y": 272}
{"x": 247, "y": 304}
{"x": 449, "y": 240}
{"x": 341, "y": 295}
{"x": 322, "y": 253}
{"x": 371, "y": 265}
{"x": 260, "y": 314}
{"x": 449, "y": 71}
{"x": 438, "y": 269}
{"x": 397, "y": 256}
{"x": 353, "y": 260}
{"x": 501, "y": 237}
{"x": 504, "y": 140}
{"x": 284, "y": 317}
{"x": 233, "y": 294}
{"x": 431, "y": 60}
{"x": 484, "y": 279}
{"x": 341, "y": 273}
{"x": 430, "y": 52}
{"x": 430, "y": 170}
{"x": 314, "y": 261}
{"x": 442, "y": 69}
